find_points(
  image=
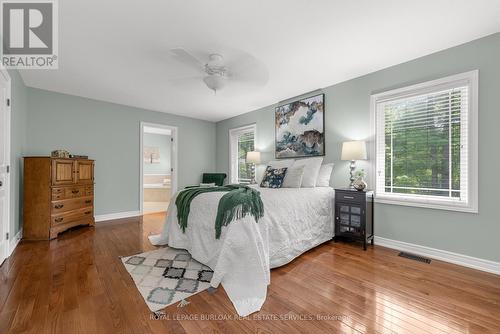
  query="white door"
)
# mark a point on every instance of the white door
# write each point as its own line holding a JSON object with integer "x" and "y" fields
{"x": 4, "y": 163}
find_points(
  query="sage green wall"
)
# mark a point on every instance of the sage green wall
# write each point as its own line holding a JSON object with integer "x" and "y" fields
{"x": 109, "y": 133}
{"x": 18, "y": 143}
{"x": 348, "y": 117}
{"x": 165, "y": 148}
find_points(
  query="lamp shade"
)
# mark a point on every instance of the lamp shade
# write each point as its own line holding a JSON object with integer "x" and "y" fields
{"x": 253, "y": 157}
{"x": 354, "y": 150}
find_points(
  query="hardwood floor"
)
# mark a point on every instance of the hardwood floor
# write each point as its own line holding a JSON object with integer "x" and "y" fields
{"x": 77, "y": 284}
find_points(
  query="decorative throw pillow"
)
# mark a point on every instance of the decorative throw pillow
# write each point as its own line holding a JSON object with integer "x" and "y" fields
{"x": 324, "y": 175}
{"x": 311, "y": 170}
{"x": 279, "y": 164}
{"x": 293, "y": 177}
{"x": 273, "y": 177}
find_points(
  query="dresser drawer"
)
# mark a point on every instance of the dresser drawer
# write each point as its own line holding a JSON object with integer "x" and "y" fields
{"x": 350, "y": 196}
{"x": 69, "y": 192}
{"x": 71, "y": 204}
{"x": 89, "y": 190}
{"x": 70, "y": 216}
{"x": 57, "y": 194}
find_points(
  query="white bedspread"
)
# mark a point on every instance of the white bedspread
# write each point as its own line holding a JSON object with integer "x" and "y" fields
{"x": 295, "y": 220}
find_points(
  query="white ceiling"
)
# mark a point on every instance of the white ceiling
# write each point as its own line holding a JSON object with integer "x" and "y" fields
{"x": 118, "y": 50}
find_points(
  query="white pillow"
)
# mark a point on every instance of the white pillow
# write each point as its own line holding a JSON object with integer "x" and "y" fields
{"x": 281, "y": 163}
{"x": 311, "y": 170}
{"x": 293, "y": 177}
{"x": 278, "y": 164}
{"x": 324, "y": 175}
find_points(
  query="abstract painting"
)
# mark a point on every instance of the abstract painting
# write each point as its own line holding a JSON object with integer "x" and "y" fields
{"x": 300, "y": 128}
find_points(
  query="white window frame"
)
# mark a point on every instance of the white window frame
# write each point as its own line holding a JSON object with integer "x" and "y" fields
{"x": 233, "y": 148}
{"x": 471, "y": 79}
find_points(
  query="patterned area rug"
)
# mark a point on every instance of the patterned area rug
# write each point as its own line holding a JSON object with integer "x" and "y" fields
{"x": 166, "y": 276}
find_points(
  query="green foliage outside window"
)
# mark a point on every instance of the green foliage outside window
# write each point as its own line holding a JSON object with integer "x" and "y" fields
{"x": 422, "y": 145}
{"x": 245, "y": 170}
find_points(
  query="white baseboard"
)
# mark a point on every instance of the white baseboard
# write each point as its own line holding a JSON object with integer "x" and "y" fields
{"x": 14, "y": 241}
{"x": 438, "y": 254}
{"x": 117, "y": 215}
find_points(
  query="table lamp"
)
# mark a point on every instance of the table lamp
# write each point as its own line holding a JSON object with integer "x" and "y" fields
{"x": 253, "y": 157}
{"x": 352, "y": 151}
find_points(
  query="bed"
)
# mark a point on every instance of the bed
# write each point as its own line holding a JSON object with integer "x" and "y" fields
{"x": 295, "y": 220}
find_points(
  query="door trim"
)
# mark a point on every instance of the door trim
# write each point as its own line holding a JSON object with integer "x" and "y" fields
{"x": 6, "y": 221}
{"x": 174, "y": 130}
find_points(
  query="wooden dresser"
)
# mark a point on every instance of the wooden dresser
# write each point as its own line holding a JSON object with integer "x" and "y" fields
{"x": 58, "y": 194}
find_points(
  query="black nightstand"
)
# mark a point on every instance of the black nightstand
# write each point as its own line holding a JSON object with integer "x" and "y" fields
{"x": 354, "y": 215}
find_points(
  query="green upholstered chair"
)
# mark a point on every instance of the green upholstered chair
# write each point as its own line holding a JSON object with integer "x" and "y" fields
{"x": 217, "y": 178}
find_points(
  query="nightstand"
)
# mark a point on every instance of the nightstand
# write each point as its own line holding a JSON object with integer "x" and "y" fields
{"x": 354, "y": 215}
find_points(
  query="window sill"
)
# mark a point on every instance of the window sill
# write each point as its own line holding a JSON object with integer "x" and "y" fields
{"x": 438, "y": 205}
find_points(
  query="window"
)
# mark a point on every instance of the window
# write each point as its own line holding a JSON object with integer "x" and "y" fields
{"x": 241, "y": 141}
{"x": 426, "y": 144}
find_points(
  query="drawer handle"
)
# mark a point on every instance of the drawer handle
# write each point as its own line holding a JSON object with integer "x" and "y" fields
{"x": 58, "y": 220}
{"x": 349, "y": 197}
{"x": 75, "y": 191}
{"x": 88, "y": 212}
{"x": 59, "y": 206}
{"x": 88, "y": 201}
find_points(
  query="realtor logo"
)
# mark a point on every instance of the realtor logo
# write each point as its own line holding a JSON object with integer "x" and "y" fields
{"x": 29, "y": 31}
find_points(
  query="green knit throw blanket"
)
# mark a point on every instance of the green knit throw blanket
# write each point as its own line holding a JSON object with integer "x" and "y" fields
{"x": 237, "y": 203}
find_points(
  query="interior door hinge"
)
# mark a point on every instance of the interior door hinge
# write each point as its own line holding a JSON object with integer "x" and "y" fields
{"x": 8, "y": 102}
{"x": 8, "y": 169}
{"x": 172, "y": 140}
{"x": 7, "y": 236}
{"x": 171, "y": 169}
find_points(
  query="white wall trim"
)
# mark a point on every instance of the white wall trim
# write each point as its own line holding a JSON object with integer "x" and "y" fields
{"x": 116, "y": 215}
{"x": 157, "y": 131}
{"x": 438, "y": 254}
{"x": 7, "y": 187}
{"x": 15, "y": 241}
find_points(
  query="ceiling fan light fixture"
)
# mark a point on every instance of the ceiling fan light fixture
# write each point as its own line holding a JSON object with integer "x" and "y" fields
{"x": 215, "y": 60}
{"x": 216, "y": 72}
{"x": 215, "y": 82}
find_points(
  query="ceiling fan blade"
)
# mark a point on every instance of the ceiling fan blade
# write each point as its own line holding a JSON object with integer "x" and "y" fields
{"x": 185, "y": 80}
{"x": 247, "y": 69}
{"x": 185, "y": 57}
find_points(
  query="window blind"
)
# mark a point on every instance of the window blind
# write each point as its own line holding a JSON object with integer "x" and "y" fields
{"x": 245, "y": 144}
{"x": 422, "y": 145}
{"x": 241, "y": 141}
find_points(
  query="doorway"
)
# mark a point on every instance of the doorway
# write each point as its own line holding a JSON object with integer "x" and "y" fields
{"x": 4, "y": 165}
{"x": 158, "y": 174}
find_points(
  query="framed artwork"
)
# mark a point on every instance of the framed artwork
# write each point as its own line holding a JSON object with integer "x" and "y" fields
{"x": 151, "y": 155}
{"x": 300, "y": 128}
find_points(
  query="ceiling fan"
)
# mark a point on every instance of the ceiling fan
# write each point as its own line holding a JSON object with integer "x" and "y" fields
{"x": 217, "y": 71}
